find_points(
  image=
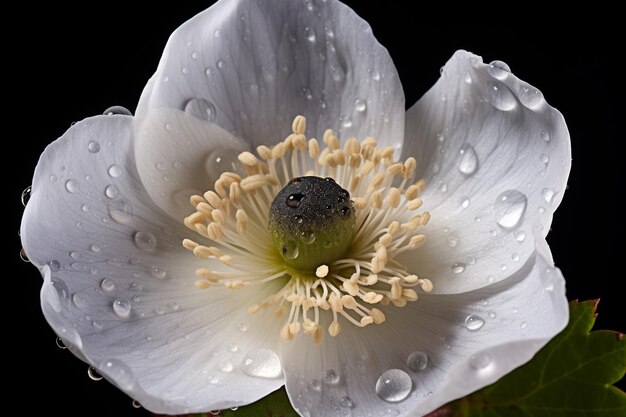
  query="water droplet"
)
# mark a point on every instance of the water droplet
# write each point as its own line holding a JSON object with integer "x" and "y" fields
{"x": 107, "y": 285}
{"x": 501, "y": 97}
{"x": 93, "y": 374}
{"x": 290, "y": 250}
{"x": 119, "y": 372}
{"x": 541, "y": 209}
{"x": 72, "y": 186}
{"x": 61, "y": 287}
{"x": 465, "y": 202}
{"x": 498, "y": 70}
{"x": 94, "y": 147}
{"x": 111, "y": 191}
{"x": 54, "y": 265}
{"x": 80, "y": 301}
{"x": 114, "y": 171}
{"x": 52, "y": 178}
{"x": 120, "y": 212}
{"x": 331, "y": 377}
{"x": 509, "y": 208}
{"x": 60, "y": 343}
{"x": 219, "y": 161}
{"x": 394, "y": 385}
{"x": 458, "y": 267}
{"x": 346, "y": 402}
{"x": 122, "y": 308}
{"x": 523, "y": 325}
{"x": 136, "y": 404}
{"x": 453, "y": 240}
{"x": 232, "y": 347}
{"x": 545, "y": 136}
{"x": 294, "y": 200}
{"x": 94, "y": 248}
{"x": 145, "y": 240}
{"x": 315, "y": 385}
{"x": 515, "y": 310}
{"x": 417, "y": 361}
{"x": 443, "y": 187}
{"x": 158, "y": 272}
{"x": 548, "y": 195}
{"x": 346, "y": 123}
{"x": 360, "y": 105}
{"x": 309, "y": 34}
{"x": 221, "y": 64}
{"x": 491, "y": 314}
{"x": 467, "y": 78}
{"x": 242, "y": 327}
{"x": 529, "y": 96}
{"x": 201, "y": 109}
{"x": 23, "y": 256}
{"x": 307, "y": 237}
{"x": 544, "y": 158}
{"x": 117, "y": 110}
{"x": 468, "y": 160}
{"x": 262, "y": 363}
{"x": 515, "y": 257}
{"x": 519, "y": 235}
{"x": 26, "y": 195}
{"x": 470, "y": 260}
{"x": 480, "y": 361}
{"x": 474, "y": 322}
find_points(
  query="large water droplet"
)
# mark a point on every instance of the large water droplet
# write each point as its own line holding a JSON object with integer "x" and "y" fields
{"x": 72, "y": 186}
{"x": 290, "y": 250}
{"x": 509, "y": 209}
{"x": 122, "y": 308}
{"x": 114, "y": 171}
{"x": 394, "y": 385}
{"x": 119, "y": 372}
{"x": 501, "y": 97}
{"x": 480, "y": 361}
{"x": 346, "y": 402}
{"x": 107, "y": 284}
{"x": 474, "y": 322}
{"x": 417, "y": 361}
{"x": 262, "y": 363}
{"x": 94, "y": 147}
{"x": 117, "y": 110}
{"x": 219, "y": 161}
{"x": 25, "y": 195}
{"x": 360, "y": 105}
{"x": 201, "y": 109}
{"x": 498, "y": 70}
{"x": 54, "y": 265}
{"x": 468, "y": 160}
{"x": 111, "y": 191}
{"x": 145, "y": 240}
{"x": 458, "y": 267}
{"x": 529, "y": 96}
{"x": 93, "y": 374}
{"x": 61, "y": 287}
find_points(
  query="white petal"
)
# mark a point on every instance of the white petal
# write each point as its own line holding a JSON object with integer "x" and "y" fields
{"x": 179, "y": 155}
{"x": 118, "y": 286}
{"x": 256, "y": 64}
{"x": 520, "y": 315}
{"x": 496, "y": 158}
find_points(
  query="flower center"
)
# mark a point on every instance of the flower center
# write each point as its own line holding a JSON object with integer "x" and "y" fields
{"x": 327, "y": 224}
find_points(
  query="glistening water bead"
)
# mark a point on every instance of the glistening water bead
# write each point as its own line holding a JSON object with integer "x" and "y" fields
{"x": 311, "y": 222}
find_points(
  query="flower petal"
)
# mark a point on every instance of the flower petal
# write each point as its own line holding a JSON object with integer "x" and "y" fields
{"x": 496, "y": 158}
{"x": 118, "y": 286}
{"x": 509, "y": 321}
{"x": 252, "y": 65}
{"x": 179, "y": 155}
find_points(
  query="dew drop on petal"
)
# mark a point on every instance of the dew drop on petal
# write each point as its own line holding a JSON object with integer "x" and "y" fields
{"x": 158, "y": 272}
{"x": 509, "y": 209}
{"x": 501, "y": 97}
{"x": 453, "y": 240}
{"x": 114, "y": 171}
{"x": 331, "y": 377}
{"x": 360, "y": 105}
{"x": 309, "y": 34}
{"x": 60, "y": 343}
{"x": 117, "y": 110}
{"x": 290, "y": 250}
{"x": 523, "y": 325}
{"x": 498, "y": 70}
{"x": 417, "y": 361}
{"x": 201, "y": 109}
{"x": 315, "y": 385}
{"x": 529, "y": 96}
{"x": 145, "y": 240}
{"x": 221, "y": 64}
{"x": 122, "y": 308}
{"x": 474, "y": 322}
{"x": 545, "y": 136}
{"x": 519, "y": 235}
{"x": 262, "y": 363}
{"x": 394, "y": 385}
{"x": 72, "y": 186}
{"x": 54, "y": 265}
{"x": 25, "y": 195}
{"x": 23, "y": 256}
{"x": 458, "y": 267}
{"x": 93, "y": 374}
{"x": 548, "y": 195}
{"x": 480, "y": 361}
{"x": 468, "y": 160}
{"x": 93, "y": 146}
{"x": 226, "y": 366}
{"x": 119, "y": 372}
{"x": 465, "y": 202}
{"x": 346, "y": 402}
{"x": 136, "y": 404}
{"x": 107, "y": 285}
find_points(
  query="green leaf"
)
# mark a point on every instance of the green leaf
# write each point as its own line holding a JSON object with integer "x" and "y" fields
{"x": 571, "y": 376}
{"x": 274, "y": 405}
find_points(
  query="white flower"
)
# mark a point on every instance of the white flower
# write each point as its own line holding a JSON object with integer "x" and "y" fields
{"x": 425, "y": 304}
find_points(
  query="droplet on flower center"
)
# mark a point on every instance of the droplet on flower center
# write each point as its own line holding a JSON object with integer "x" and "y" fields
{"x": 327, "y": 222}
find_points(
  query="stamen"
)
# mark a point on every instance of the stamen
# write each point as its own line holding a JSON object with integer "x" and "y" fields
{"x": 354, "y": 289}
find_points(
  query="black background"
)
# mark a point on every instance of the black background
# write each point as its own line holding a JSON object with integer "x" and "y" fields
{"x": 83, "y": 60}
